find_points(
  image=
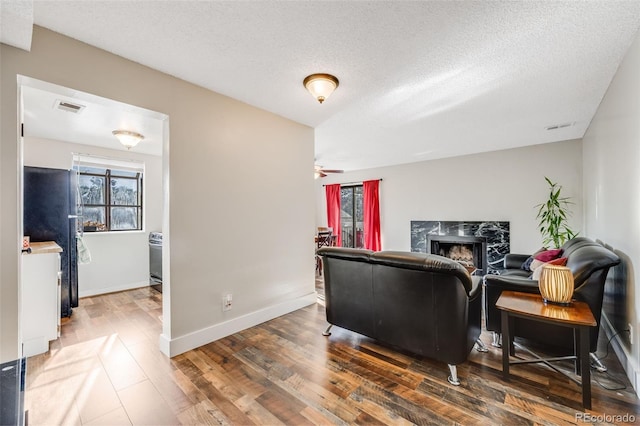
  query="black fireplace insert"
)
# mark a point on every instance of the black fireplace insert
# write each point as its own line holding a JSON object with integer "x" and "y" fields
{"x": 469, "y": 251}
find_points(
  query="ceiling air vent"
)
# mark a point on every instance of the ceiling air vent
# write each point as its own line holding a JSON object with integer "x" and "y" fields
{"x": 68, "y": 106}
{"x": 560, "y": 126}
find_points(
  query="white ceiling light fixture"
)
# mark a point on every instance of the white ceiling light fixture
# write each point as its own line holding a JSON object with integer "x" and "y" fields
{"x": 320, "y": 85}
{"x": 127, "y": 138}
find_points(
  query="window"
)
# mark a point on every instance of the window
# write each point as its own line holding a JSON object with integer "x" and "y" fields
{"x": 110, "y": 199}
{"x": 351, "y": 216}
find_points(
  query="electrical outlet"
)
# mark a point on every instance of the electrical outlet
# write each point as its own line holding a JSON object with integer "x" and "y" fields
{"x": 630, "y": 333}
{"x": 227, "y": 300}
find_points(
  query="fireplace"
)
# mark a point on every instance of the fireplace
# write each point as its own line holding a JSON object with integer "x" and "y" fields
{"x": 496, "y": 235}
{"x": 469, "y": 251}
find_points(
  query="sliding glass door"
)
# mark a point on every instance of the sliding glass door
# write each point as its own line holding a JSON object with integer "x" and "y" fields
{"x": 351, "y": 216}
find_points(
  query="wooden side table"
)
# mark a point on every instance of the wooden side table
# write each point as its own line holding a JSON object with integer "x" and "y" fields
{"x": 577, "y": 316}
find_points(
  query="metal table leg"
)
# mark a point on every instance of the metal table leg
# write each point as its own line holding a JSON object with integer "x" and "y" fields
{"x": 585, "y": 367}
{"x": 506, "y": 345}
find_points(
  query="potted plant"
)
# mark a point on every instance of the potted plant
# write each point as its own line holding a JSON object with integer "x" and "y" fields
{"x": 552, "y": 217}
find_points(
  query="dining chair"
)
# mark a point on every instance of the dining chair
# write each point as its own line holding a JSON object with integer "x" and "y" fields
{"x": 324, "y": 238}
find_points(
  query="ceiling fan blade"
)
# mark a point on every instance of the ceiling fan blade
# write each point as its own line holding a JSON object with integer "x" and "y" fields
{"x": 321, "y": 174}
{"x": 331, "y": 171}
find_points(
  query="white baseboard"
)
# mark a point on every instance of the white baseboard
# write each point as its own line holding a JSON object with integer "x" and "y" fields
{"x": 165, "y": 345}
{"x": 173, "y": 347}
{"x": 627, "y": 362}
{"x": 113, "y": 289}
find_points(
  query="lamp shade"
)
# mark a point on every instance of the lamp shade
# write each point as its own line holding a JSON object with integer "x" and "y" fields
{"x": 321, "y": 85}
{"x": 556, "y": 284}
{"x": 127, "y": 138}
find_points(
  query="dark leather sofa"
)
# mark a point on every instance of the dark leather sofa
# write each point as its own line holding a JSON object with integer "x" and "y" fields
{"x": 589, "y": 262}
{"x": 425, "y": 304}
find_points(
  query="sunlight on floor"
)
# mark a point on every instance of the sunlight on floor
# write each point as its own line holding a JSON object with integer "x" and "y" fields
{"x": 93, "y": 373}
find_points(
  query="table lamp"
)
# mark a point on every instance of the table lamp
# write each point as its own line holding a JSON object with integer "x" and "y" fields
{"x": 556, "y": 284}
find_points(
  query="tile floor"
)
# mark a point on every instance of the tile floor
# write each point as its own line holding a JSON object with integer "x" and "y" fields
{"x": 101, "y": 370}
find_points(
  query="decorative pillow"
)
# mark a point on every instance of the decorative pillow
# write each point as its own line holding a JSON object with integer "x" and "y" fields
{"x": 536, "y": 274}
{"x": 527, "y": 263}
{"x": 535, "y": 264}
{"x": 561, "y": 261}
{"x": 548, "y": 255}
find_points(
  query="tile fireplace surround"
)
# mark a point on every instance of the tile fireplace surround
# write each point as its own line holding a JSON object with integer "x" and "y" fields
{"x": 496, "y": 233}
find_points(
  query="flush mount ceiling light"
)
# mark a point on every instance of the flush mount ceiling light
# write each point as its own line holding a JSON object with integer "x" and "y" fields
{"x": 320, "y": 85}
{"x": 127, "y": 138}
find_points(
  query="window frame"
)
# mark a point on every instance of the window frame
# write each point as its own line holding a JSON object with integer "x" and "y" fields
{"x": 109, "y": 174}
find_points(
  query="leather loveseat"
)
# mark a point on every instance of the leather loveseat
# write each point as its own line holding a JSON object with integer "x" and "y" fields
{"x": 423, "y": 303}
{"x": 589, "y": 262}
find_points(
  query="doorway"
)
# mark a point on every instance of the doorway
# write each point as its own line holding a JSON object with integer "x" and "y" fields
{"x": 60, "y": 124}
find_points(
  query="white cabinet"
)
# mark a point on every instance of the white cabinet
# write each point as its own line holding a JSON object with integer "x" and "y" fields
{"x": 40, "y": 298}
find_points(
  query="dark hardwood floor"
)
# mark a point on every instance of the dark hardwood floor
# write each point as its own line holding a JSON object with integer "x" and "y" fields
{"x": 107, "y": 369}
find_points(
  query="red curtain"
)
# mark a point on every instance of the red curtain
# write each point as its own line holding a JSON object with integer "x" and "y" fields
{"x": 333, "y": 211}
{"x": 371, "y": 206}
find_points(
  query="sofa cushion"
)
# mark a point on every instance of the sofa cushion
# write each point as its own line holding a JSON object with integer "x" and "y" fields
{"x": 515, "y": 273}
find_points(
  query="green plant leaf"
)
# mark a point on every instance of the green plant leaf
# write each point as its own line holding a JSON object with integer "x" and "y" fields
{"x": 552, "y": 216}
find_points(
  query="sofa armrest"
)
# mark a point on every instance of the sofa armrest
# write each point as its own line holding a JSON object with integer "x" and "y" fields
{"x": 514, "y": 260}
{"x": 510, "y": 282}
{"x": 494, "y": 285}
{"x": 476, "y": 287}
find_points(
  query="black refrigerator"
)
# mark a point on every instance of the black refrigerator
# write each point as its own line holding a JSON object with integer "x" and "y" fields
{"x": 50, "y": 214}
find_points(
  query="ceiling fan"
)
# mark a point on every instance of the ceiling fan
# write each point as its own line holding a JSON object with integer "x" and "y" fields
{"x": 319, "y": 172}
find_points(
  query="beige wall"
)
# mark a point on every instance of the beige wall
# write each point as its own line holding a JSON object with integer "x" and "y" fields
{"x": 497, "y": 186}
{"x": 612, "y": 183}
{"x": 221, "y": 197}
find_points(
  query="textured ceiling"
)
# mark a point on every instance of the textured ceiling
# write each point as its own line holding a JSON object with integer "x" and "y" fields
{"x": 16, "y": 20}
{"x": 418, "y": 80}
